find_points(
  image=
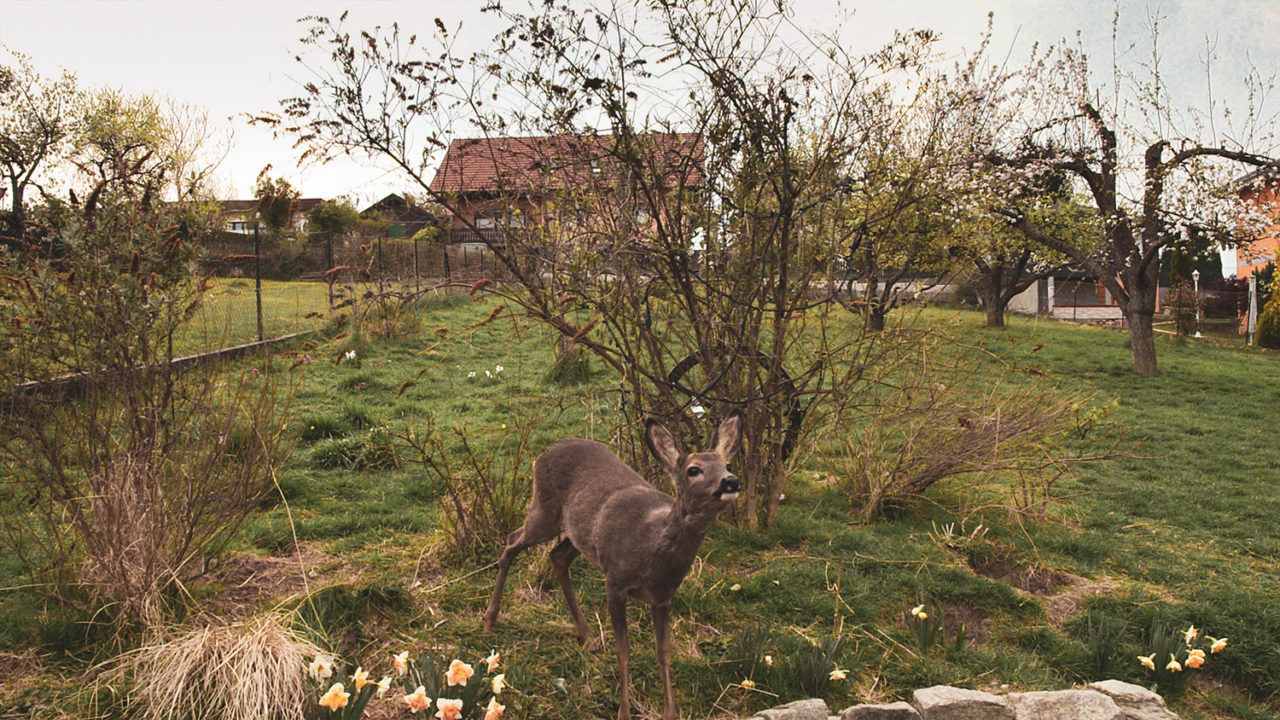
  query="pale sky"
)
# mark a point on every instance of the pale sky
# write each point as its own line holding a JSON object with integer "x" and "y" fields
{"x": 236, "y": 57}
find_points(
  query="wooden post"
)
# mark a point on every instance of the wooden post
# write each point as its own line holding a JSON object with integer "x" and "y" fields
{"x": 328, "y": 264}
{"x": 416, "y": 288}
{"x": 382, "y": 269}
{"x": 257, "y": 276}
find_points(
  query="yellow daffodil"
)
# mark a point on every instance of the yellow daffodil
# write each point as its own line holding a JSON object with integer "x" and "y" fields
{"x": 321, "y": 668}
{"x": 922, "y": 615}
{"x": 458, "y": 673}
{"x": 768, "y": 661}
{"x": 493, "y": 660}
{"x": 747, "y": 684}
{"x": 361, "y": 678}
{"x": 1193, "y": 652}
{"x": 494, "y": 711}
{"x": 400, "y": 661}
{"x": 1148, "y": 661}
{"x": 1173, "y": 665}
{"x": 336, "y": 698}
{"x": 839, "y": 674}
{"x": 918, "y": 612}
{"x": 448, "y": 709}
{"x": 735, "y": 587}
{"x": 1195, "y": 661}
{"x": 499, "y": 683}
{"x": 384, "y": 685}
{"x": 1218, "y": 645}
{"x": 418, "y": 700}
{"x": 1191, "y": 634}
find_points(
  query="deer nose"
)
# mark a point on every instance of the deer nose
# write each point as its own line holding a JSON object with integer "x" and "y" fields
{"x": 729, "y": 484}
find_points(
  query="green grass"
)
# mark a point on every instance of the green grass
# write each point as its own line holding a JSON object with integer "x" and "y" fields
{"x": 1179, "y": 529}
{"x": 228, "y": 315}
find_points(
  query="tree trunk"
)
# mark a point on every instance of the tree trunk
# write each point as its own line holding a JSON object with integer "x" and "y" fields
{"x": 875, "y": 318}
{"x": 1142, "y": 342}
{"x": 995, "y": 313}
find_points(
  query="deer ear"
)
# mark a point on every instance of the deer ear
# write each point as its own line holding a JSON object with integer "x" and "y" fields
{"x": 662, "y": 444}
{"x": 728, "y": 436}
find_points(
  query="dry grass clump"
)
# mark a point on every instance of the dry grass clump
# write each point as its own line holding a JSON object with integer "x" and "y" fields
{"x": 249, "y": 670}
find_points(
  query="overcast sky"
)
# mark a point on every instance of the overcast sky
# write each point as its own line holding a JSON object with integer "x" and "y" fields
{"x": 236, "y": 57}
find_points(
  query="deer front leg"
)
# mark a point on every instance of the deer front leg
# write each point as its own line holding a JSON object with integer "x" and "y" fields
{"x": 662, "y": 633}
{"x": 617, "y": 600}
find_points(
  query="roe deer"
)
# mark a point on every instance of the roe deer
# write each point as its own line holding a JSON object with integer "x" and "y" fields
{"x": 643, "y": 539}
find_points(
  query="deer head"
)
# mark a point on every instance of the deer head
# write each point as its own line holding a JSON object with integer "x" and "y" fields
{"x": 703, "y": 482}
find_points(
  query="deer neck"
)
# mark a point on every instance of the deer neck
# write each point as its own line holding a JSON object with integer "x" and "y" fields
{"x": 682, "y": 537}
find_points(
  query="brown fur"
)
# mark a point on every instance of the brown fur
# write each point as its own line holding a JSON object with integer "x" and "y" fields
{"x": 643, "y": 539}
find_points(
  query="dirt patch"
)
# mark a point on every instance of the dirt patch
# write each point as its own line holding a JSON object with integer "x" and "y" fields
{"x": 1031, "y": 578}
{"x": 1073, "y": 594}
{"x": 249, "y": 580}
{"x": 15, "y": 665}
{"x": 976, "y": 622}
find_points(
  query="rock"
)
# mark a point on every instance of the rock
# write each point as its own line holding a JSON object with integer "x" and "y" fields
{"x": 1077, "y": 704}
{"x": 941, "y": 702}
{"x": 886, "y": 711}
{"x": 1135, "y": 701}
{"x": 814, "y": 709}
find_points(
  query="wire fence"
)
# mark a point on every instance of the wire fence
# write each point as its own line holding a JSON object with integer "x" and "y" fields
{"x": 264, "y": 287}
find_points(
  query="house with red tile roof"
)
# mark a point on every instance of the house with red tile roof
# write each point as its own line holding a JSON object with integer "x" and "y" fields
{"x": 497, "y": 182}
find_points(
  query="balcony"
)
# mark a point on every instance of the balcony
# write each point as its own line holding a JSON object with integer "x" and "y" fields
{"x": 483, "y": 235}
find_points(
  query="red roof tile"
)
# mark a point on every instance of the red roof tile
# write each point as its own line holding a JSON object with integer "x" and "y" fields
{"x": 552, "y": 161}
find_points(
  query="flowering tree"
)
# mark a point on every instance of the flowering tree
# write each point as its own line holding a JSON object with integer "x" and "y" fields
{"x": 1154, "y": 174}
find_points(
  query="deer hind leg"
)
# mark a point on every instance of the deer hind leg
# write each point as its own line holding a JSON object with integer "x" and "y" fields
{"x": 618, "y": 614}
{"x": 561, "y": 556}
{"x": 538, "y": 528}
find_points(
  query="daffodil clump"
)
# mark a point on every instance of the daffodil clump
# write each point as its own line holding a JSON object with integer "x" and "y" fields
{"x": 459, "y": 691}
{"x": 928, "y": 629}
{"x": 1177, "y": 652}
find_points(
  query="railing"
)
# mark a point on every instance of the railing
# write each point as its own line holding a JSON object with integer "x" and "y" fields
{"x": 483, "y": 235}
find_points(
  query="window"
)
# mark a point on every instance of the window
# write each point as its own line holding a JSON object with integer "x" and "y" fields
{"x": 240, "y": 226}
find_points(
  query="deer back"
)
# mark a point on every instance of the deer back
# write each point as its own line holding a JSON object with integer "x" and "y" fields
{"x": 610, "y": 513}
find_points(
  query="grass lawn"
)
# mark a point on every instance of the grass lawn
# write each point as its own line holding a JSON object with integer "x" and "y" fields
{"x": 1181, "y": 529}
{"x": 229, "y": 314}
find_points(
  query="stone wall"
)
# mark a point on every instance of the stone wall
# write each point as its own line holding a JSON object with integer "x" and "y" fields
{"x": 1106, "y": 700}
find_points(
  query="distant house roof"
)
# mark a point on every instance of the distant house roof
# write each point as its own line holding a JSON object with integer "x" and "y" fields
{"x": 299, "y": 205}
{"x": 397, "y": 207}
{"x": 1266, "y": 173}
{"x": 553, "y": 161}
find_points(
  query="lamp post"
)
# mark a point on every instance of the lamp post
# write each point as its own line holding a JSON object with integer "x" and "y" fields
{"x": 1195, "y": 278}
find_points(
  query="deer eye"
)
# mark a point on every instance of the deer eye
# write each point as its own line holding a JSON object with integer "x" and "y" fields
{"x": 694, "y": 471}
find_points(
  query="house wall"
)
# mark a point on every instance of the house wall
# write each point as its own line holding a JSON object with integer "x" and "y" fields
{"x": 1256, "y": 256}
{"x": 1087, "y": 313}
{"x": 1026, "y": 302}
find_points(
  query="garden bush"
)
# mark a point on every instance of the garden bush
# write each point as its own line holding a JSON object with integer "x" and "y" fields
{"x": 125, "y": 485}
{"x": 1269, "y": 324}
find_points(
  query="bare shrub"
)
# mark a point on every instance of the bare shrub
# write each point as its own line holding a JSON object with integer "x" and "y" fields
{"x": 1183, "y": 305}
{"x": 486, "y": 491}
{"x": 249, "y": 670}
{"x": 930, "y": 422}
{"x": 126, "y": 482}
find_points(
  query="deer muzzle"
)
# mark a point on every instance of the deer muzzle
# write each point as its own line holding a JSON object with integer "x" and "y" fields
{"x": 729, "y": 488}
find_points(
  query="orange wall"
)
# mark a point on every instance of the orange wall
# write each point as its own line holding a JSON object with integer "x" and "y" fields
{"x": 1264, "y": 249}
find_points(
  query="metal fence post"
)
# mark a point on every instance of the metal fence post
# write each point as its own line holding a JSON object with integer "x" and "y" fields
{"x": 257, "y": 276}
